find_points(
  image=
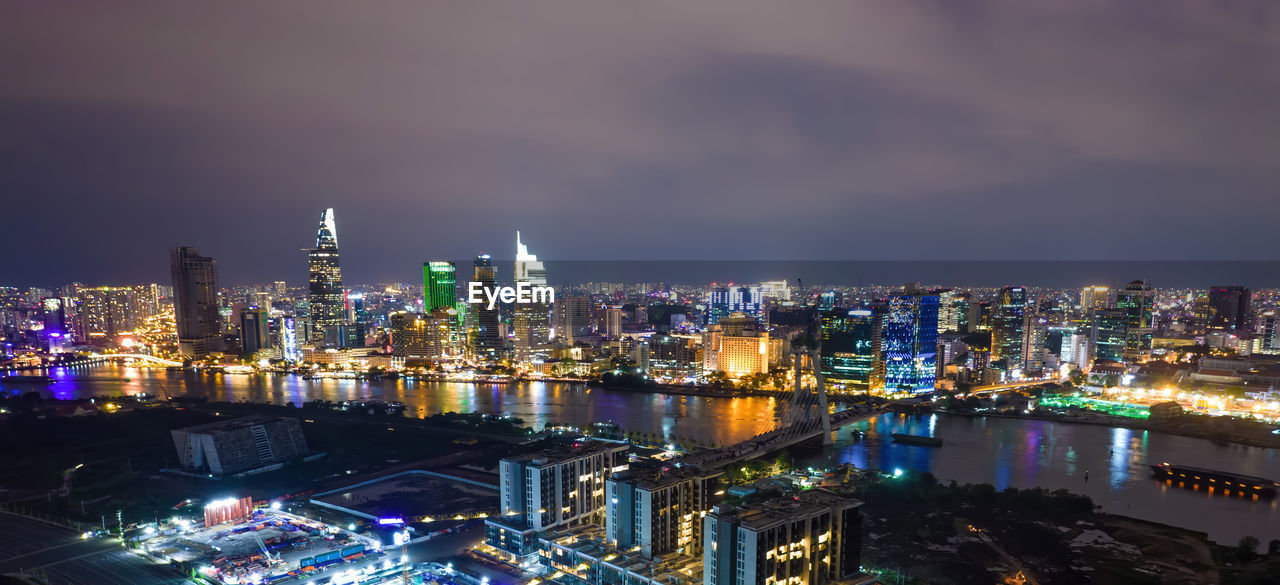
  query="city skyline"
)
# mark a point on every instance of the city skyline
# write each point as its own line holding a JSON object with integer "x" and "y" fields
{"x": 824, "y": 131}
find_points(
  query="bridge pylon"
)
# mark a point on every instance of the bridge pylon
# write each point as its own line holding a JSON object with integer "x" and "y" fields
{"x": 824, "y": 411}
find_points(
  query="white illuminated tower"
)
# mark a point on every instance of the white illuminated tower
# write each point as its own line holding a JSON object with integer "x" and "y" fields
{"x": 531, "y": 321}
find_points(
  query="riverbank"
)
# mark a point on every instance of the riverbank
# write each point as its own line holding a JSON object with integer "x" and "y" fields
{"x": 1267, "y": 441}
{"x": 974, "y": 533}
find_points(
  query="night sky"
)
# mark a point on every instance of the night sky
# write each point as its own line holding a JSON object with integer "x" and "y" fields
{"x": 632, "y": 130}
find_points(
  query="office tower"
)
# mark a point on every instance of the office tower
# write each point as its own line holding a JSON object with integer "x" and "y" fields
{"x": 1008, "y": 328}
{"x": 1228, "y": 308}
{"x": 355, "y": 327}
{"x": 531, "y": 321}
{"x": 812, "y": 538}
{"x": 1137, "y": 300}
{"x": 254, "y": 335}
{"x": 659, "y": 511}
{"x": 195, "y": 302}
{"x": 1093, "y": 298}
{"x": 850, "y": 353}
{"x": 776, "y": 290}
{"x": 488, "y": 341}
{"x": 325, "y": 293}
{"x": 280, "y": 289}
{"x": 439, "y": 285}
{"x": 1107, "y": 335}
{"x": 289, "y": 340}
{"x": 723, "y": 300}
{"x": 910, "y": 343}
{"x": 550, "y": 489}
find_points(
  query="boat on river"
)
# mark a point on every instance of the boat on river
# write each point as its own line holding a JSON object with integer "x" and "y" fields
{"x": 921, "y": 440}
{"x": 1212, "y": 479}
{"x": 16, "y": 379}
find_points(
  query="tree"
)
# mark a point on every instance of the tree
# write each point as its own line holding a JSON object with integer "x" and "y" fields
{"x": 1247, "y": 549}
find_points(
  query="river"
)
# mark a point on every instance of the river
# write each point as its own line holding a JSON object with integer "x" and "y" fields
{"x": 1001, "y": 451}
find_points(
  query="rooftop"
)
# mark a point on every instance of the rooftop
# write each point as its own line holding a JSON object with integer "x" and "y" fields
{"x": 234, "y": 424}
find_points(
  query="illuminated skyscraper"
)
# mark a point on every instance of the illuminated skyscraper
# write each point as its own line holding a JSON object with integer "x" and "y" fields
{"x": 195, "y": 302}
{"x": 439, "y": 285}
{"x": 532, "y": 321}
{"x": 1137, "y": 300}
{"x": 253, "y": 330}
{"x": 325, "y": 294}
{"x": 851, "y": 348}
{"x": 1008, "y": 328}
{"x": 1107, "y": 336}
{"x": 910, "y": 343}
{"x": 1228, "y": 308}
{"x": 488, "y": 339}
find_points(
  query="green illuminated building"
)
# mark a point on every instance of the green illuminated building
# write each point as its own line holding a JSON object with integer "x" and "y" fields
{"x": 439, "y": 285}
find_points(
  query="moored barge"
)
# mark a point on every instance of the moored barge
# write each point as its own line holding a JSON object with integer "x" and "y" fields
{"x": 1200, "y": 477}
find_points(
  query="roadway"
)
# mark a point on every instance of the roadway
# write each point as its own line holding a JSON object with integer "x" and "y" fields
{"x": 32, "y": 547}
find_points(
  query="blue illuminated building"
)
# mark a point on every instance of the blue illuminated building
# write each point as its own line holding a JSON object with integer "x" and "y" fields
{"x": 910, "y": 343}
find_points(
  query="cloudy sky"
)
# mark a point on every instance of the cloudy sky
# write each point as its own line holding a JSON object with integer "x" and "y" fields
{"x": 632, "y": 130}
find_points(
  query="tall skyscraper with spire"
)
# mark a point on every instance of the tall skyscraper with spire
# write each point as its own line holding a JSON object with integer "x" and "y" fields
{"x": 531, "y": 321}
{"x": 195, "y": 302}
{"x": 325, "y": 296}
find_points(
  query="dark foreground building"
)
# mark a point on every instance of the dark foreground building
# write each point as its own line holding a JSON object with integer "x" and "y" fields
{"x": 239, "y": 445}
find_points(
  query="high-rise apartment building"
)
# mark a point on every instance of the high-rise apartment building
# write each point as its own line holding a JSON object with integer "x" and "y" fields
{"x": 659, "y": 511}
{"x": 326, "y": 297}
{"x": 551, "y": 489}
{"x": 195, "y": 302}
{"x": 812, "y": 538}
{"x": 572, "y": 317}
{"x": 613, "y": 322}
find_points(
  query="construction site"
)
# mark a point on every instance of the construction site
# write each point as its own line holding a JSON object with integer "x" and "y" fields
{"x": 239, "y": 545}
